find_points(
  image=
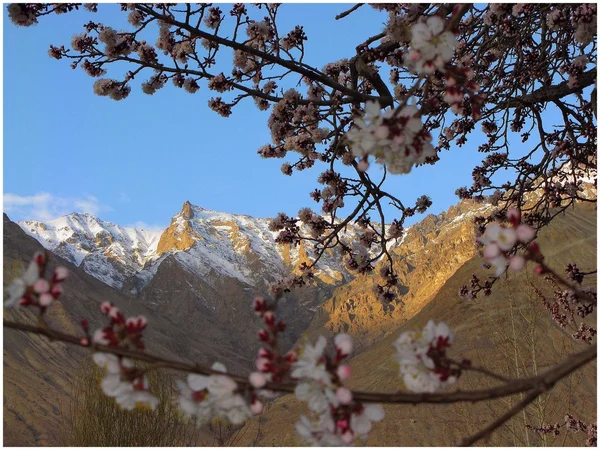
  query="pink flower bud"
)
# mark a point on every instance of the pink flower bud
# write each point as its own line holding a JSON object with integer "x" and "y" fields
{"x": 342, "y": 424}
{"x": 539, "y": 270}
{"x": 514, "y": 215}
{"x": 46, "y": 299}
{"x": 343, "y": 343}
{"x": 343, "y": 372}
{"x": 344, "y": 395}
{"x": 61, "y": 273}
{"x": 414, "y": 55}
{"x": 56, "y": 290}
{"x": 114, "y": 313}
{"x": 263, "y": 364}
{"x": 264, "y": 353}
{"x": 525, "y": 233}
{"x": 41, "y": 286}
{"x": 517, "y": 262}
{"x": 263, "y": 335}
{"x": 256, "y": 407}
{"x": 39, "y": 258}
{"x": 269, "y": 319}
{"x": 347, "y": 436}
{"x": 259, "y": 304}
{"x": 257, "y": 379}
{"x": 84, "y": 341}
{"x": 105, "y": 307}
{"x": 291, "y": 356}
{"x": 363, "y": 165}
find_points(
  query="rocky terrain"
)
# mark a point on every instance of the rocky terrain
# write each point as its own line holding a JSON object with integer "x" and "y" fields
{"x": 509, "y": 332}
{"x": 196, "y": 279}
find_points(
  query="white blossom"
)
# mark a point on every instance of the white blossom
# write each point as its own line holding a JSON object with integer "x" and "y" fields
{"x": 316, "y": 396}
{"x": 19, "y": 286}
{"x": 431, "y": 46}
{"x": 418, "y": 370}
{"x": 361, "y": 423}
{"x": 310, "y": 363}
{"x": 208, "y": 396}
{"x": 395, "y": 138}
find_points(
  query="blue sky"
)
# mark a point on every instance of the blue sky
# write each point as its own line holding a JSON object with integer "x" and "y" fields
{"x": 136, "y": 161}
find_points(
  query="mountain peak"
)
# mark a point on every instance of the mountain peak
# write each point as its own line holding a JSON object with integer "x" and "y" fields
{"x": 187, "y": 210}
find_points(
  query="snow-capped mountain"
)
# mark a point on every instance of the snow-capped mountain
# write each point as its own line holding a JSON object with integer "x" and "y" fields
{"x": 107, "y": 251}
{"x": 201, "y": 240}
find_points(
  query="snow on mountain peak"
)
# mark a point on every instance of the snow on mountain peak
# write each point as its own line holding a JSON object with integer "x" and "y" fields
{"x": 107, "y": 251}
{"x": 203, "y": 241}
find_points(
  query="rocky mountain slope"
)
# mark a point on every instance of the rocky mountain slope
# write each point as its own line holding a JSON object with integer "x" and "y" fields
{"x": 431, "y": 252}
{"x": 203, "y": 241}
{"x": 509, "y": 332}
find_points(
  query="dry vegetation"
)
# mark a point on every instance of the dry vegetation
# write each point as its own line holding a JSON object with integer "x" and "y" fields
{"x": 93, "y": 419}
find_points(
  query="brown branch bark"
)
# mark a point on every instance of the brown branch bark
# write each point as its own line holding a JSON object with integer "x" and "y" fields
{"x": 551, "y": 93}
{"x": 348, "y": 12}
{"x": 542, "y": 382}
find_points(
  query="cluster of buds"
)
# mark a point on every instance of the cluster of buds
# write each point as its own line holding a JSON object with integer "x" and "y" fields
{"x": 270, "y": 364}
{"x": 340, "y": 418}
{"x": 424, "y": 366}
{"x": 500, "y": 241}
{"x": 315, "y": 223}
{"x": 120, "y": 332}
{"x": 358, "y": 259}
{"x": 32, "y": 289}
{"x": 106, "y": 87}
{"x": 568, "y": 304}
{"x": 305, "y": 277}
{"x": 287, "y": 227}
{"x": 333, "y": 192}
{"x": 585, "y": 19}
{"x": 117, "y": 44}
{"x": 387, "y": 292}
{"x": 573, "y": 273}
{"x": 220, "y": 83}
{"x": 294, "y": 39}
{"x": 219, "y": 106}
{"x": 127, "y": 384}
{"x": 575, "y": 70}
{"x": 459, "y": 83}
{"x": 470, "y": 293}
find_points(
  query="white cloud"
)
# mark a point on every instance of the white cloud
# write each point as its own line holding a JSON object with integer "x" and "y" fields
{"x": 146, "y": 227}
{"x": 44, "y": 206}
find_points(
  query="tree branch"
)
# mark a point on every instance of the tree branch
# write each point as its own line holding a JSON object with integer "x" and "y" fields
{"x": 551, "y": 93}
{"x": 542, "y": 382}
{"x": 348, "y": 12}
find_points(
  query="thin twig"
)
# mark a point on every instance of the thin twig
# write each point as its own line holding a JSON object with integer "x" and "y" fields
{"x": 348, "y": 12}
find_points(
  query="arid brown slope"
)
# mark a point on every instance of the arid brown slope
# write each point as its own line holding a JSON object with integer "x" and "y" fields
{"x": 430, "y": 253}
{"x": 509, "y": 332}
